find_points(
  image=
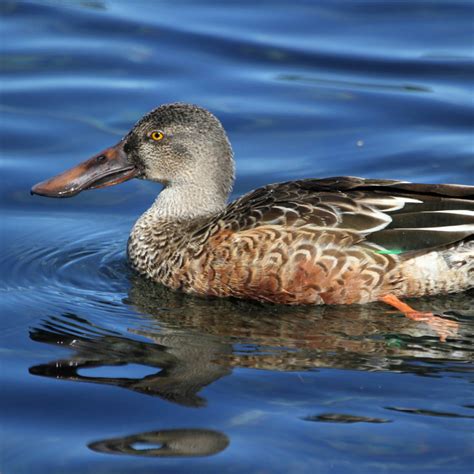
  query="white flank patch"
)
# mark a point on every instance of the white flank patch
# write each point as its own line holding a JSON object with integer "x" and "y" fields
{"x": 429, "y": 263}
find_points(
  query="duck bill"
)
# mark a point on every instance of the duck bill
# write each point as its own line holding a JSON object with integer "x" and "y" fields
{"x": 107, "y": 168}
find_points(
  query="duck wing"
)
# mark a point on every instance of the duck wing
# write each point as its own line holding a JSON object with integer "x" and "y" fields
{"x": 399, "y": 216}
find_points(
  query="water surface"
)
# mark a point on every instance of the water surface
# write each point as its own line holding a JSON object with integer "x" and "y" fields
{"x": 103, "y": 371}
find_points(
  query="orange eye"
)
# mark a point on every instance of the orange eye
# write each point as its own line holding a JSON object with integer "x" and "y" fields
{"x": 157, "y": 136}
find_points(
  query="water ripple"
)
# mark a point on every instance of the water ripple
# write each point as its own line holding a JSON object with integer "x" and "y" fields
{"x": 74, "y": 268}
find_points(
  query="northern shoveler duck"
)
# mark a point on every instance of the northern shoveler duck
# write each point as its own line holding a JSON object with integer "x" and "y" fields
{"x": 336, "y": 240}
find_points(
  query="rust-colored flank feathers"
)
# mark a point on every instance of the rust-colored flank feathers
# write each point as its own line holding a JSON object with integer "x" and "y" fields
{"x": 339, "y": 240}
{"x": 316, "y": 242}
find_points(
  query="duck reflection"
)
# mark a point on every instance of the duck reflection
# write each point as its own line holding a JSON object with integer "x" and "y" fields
{"x": 166, "y": 443}
{"x": 193, "y": 342}
{"x": 184, "y": 365}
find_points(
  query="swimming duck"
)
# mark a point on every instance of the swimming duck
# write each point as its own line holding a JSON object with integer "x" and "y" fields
{"x": 340, "y": 240}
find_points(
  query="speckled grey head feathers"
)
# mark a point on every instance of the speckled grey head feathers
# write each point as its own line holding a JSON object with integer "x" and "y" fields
{"x": 193, "y": 159}
{"x": 179, "y": 114}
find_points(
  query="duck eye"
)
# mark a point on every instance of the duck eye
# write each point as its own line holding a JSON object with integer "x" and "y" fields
{"x": 157, "y": 136}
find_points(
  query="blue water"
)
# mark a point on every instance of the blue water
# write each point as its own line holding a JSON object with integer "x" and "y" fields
{"x": 104, "y": 372}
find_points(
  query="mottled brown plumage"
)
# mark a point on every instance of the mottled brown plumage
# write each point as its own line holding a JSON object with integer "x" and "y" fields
{"x": 312, "y": 241}
{"x": 317, "y": 241}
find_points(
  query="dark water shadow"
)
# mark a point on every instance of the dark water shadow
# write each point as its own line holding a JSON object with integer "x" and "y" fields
{"x": 420, "y": 411}
{"x": 344, "y": 418}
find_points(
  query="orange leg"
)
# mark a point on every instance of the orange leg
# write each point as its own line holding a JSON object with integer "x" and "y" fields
{"x": 443, "y": 327}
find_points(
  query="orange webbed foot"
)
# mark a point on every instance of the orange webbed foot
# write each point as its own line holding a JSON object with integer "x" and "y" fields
{"x": 443, "y": 327}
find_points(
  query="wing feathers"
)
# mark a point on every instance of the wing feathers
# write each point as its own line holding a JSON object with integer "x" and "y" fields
{"x": 395, "y": 214}
{"x": 405, "y": 240}
{"x": 433, "y": 219}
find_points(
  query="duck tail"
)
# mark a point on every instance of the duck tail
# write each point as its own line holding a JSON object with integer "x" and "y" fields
{"x": 445, "y": 270}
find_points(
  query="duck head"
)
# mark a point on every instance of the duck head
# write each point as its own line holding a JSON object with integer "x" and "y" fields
{"x": 178, "y": 145}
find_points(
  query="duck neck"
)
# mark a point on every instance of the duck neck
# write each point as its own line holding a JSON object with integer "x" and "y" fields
{"x": 162, "y": 232}
{"x": 187, "y": 202}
